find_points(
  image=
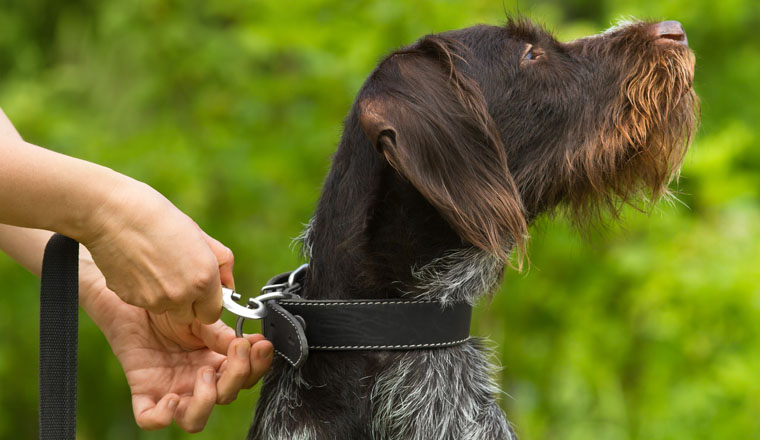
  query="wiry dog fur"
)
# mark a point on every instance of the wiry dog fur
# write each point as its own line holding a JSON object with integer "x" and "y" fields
{"x": 453, "y": 147}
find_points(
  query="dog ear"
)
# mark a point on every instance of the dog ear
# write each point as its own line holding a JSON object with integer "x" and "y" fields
{"x": 431, "y": 123}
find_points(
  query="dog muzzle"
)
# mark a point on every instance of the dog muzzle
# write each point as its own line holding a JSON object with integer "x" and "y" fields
{"x": 296, "y": 325}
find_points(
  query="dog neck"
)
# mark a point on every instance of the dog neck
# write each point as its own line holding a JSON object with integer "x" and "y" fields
{"x": 374, "y": 236}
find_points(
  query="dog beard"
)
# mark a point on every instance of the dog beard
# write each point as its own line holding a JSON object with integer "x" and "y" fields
{"x": 644, "y": 140}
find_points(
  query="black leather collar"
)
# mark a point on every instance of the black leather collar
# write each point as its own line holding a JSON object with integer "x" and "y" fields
{"x": 296, "y": 325}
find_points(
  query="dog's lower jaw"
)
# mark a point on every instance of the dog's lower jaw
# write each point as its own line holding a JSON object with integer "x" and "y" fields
{"x": 443, "y": 394}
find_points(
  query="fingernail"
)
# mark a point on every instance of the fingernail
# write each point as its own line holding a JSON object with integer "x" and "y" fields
{"x": 208, "y": 375}
{"x": 173, "y": 403}
{"x": 242, "y": 350}
{"x": 265, "y": 352}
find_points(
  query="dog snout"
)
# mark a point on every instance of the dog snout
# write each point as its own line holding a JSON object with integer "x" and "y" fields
{"x": 669, "y": 31}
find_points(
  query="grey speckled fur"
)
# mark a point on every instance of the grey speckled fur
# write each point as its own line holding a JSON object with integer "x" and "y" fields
{"x": 461, "y": 275}
{"x": 289, "y": 385}
{"x": 441, "y": 394}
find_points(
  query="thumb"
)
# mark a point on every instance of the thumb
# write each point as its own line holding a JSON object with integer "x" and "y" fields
{"x": 208, "y": 306}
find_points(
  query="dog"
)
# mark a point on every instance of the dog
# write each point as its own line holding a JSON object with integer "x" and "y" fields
{"x": 453, "y": 147}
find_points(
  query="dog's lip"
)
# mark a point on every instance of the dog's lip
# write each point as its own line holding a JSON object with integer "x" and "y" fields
{"x": 670, "y": 32}
{"x": 667, "y": 41}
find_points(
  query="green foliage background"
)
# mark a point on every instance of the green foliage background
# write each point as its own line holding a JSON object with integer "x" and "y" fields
{"x": 232, "y": 110}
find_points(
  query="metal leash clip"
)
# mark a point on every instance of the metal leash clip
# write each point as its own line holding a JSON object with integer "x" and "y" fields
{"x": 256, "y": 308}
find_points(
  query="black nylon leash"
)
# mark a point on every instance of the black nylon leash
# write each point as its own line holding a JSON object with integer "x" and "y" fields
{"x": 59, "y": 320}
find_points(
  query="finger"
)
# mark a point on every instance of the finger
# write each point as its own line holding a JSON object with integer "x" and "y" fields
{"x": 235, "y": 372}
{"x": 225, "y": 259}
{"x": 195, "y": 413}
{"x": 262, "y": 353}
{"x": 150, "y": 415}
{"x": 208, "y": 306}
{"x": 254, "y": 338}
{"x": 217, "y": 336}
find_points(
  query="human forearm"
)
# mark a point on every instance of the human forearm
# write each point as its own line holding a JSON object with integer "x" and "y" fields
{"x": 27, "y": 247}
{"x": 43, "y": 189}
{"x": 152, "y": 254}
{"x": 24, "y": 245}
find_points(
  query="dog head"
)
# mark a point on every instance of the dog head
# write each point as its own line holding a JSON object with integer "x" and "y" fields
{"x": 495, "y": 125}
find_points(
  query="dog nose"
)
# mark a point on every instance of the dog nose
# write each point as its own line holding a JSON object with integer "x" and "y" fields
{"x": 670, "y": 30}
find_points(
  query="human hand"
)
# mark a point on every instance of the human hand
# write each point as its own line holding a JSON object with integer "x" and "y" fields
{"x": 155, "y": 257}
{"x": 152, "y": 255}
{"x": 175, "y": 372}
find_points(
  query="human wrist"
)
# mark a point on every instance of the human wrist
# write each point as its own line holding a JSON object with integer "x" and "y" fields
{"x": 94, "y": 297}
{"x": 108, "y": 208}
{"x": 78, "y": 192}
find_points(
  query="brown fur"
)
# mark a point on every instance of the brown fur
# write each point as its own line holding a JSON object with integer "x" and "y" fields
{"x": 454, "y": 146}
{"x": 478, "y": 198}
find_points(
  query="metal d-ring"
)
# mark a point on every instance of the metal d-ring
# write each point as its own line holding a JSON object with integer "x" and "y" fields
{"x": 296, "y": 273}
{"x": 256, "y": 307}
{"x": 254, "y": 310}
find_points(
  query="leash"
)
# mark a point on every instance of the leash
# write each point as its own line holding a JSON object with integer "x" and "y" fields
{"x": 296, "y": 325}
{"x": 59, "y": 319}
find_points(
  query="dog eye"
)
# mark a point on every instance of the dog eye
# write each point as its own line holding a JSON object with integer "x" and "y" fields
{"x": 531, "y": 53}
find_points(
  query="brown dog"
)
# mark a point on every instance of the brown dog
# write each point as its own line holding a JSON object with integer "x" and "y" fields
{"x": 453, "y": 147}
